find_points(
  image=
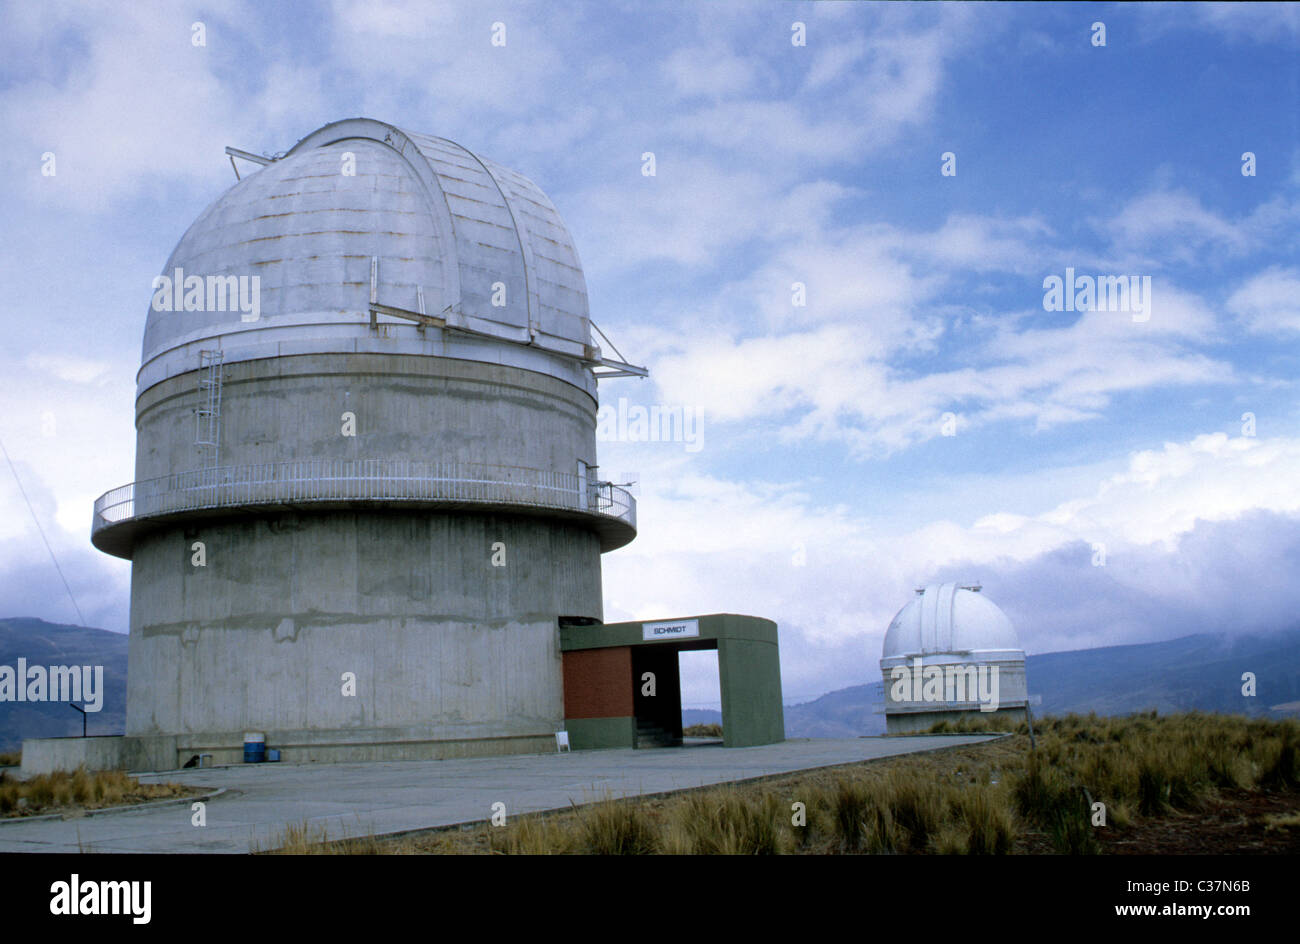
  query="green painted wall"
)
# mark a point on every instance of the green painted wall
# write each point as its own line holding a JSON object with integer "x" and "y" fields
{"x": 749, "y": 669}
{"x": 590, "y": 734}
{"x": 750, "y": 673}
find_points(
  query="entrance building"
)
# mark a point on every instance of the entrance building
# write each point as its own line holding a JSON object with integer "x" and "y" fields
{"x": 622, "y": 687}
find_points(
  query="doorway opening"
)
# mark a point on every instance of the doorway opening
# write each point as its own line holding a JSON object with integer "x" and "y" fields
{"x": 701, "y": 696}
{"x": 657, "y": 673}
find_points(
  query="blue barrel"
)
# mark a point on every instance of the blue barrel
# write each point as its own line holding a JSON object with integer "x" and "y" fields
{"x": 254, "y": 748}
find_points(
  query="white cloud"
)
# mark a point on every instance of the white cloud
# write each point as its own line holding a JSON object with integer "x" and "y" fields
{"x": 710, "y": 71}
{"x": 692, "y": 211}
{"x": 79, "y": 370}
{"x": 984, "y": 244}
{"x": 709, "y": 544}
{"x": 448, "y": 48}
{"x": 1269, "y": 303}
{"x": 1256, "y": 22}
{"x": 1170, "y": 226}
{"x": 845, "y": 368}
{"x": 69, "y": 429}
{"x": 140, "y": 103}
{"x": 832, "y": 61}
{"x": 1178, "y": 222}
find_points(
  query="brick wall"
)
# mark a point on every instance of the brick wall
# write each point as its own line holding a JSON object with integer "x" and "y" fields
{"x": 598, "y": 683}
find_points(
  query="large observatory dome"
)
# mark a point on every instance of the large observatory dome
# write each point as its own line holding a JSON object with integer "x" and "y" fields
{"x": 361, "y": 212}
{"x": 947, "y": 618}
{"x": 366, "y": 495}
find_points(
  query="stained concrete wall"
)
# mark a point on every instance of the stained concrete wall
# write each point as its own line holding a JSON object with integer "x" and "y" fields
{"x": 442, "y": 643}
{"x": 45, "y": 755}
{"x": 446, "y": 648}
{"x": 406, "y": 407}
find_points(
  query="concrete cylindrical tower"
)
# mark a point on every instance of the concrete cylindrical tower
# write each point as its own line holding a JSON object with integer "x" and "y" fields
{"x": 365, "y": 490}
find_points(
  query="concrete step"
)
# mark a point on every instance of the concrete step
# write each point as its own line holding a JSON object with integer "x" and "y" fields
{"x": 649, "y": 734}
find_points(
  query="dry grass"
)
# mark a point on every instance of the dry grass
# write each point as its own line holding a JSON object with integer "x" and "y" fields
{"x": 987, "y": 799}
{"x": 11, "y": 758}
{"x": 61, "y": 792}
{"x": 977, "y": 723}
{"x": 1146, "y": 766}
{"x": 305, "y": 838}
{"x": 1282, "y": 821}
{"x": 703, "y": 731}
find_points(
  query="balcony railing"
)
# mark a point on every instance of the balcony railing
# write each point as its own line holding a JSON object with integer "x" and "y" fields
{"x": 303, "y": 481}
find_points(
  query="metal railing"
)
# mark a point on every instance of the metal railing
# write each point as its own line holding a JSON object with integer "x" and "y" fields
{"x": 340, "y": 480}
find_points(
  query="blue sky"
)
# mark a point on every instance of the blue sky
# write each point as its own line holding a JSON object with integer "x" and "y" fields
{"x": 825, "y": 488}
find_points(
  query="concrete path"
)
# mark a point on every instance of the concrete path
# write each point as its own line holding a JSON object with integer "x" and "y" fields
{"x": 379, "y": 798}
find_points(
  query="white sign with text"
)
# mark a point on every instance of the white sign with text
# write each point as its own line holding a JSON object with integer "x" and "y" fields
{"x": 652, "y": 631}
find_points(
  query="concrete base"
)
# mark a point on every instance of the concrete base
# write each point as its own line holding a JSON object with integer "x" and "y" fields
{"x": 914, "y": 722}
{"x": 45, "y": 755}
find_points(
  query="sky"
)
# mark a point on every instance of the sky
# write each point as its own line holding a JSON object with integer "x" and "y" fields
{"x": 839, "y": 268}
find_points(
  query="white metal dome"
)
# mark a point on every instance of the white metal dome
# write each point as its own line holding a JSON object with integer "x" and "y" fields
{"x": 442, "y": 229}
{"x": 949, "y": 619}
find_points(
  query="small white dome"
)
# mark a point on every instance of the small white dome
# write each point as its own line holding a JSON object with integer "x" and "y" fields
{"x": 948, "y": 618}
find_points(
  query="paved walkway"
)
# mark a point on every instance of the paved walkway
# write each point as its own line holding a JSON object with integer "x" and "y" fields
{"x": 378, "y": 798}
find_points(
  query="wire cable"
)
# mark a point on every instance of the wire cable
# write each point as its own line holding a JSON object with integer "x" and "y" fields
{"x": 22, "y": 491}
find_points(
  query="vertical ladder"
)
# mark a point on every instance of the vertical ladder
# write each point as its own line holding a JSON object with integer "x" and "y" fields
{"x": 207, "y": 418}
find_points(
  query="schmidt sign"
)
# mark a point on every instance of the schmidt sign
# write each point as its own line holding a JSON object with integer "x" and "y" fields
{"x": 653, "y": 631}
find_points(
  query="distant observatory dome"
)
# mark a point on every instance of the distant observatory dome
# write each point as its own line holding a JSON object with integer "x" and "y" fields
{"x": 950, "y": 652}
{"x": 947, "y": 618}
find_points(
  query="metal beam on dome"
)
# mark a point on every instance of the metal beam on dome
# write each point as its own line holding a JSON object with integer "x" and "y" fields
{"x": 617, "y": 369}
{"x": 614, "y": 368}
{"x": 419, "y": 317}
{"x": 602, "y": 367}
{"x": 249, "y": 156}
